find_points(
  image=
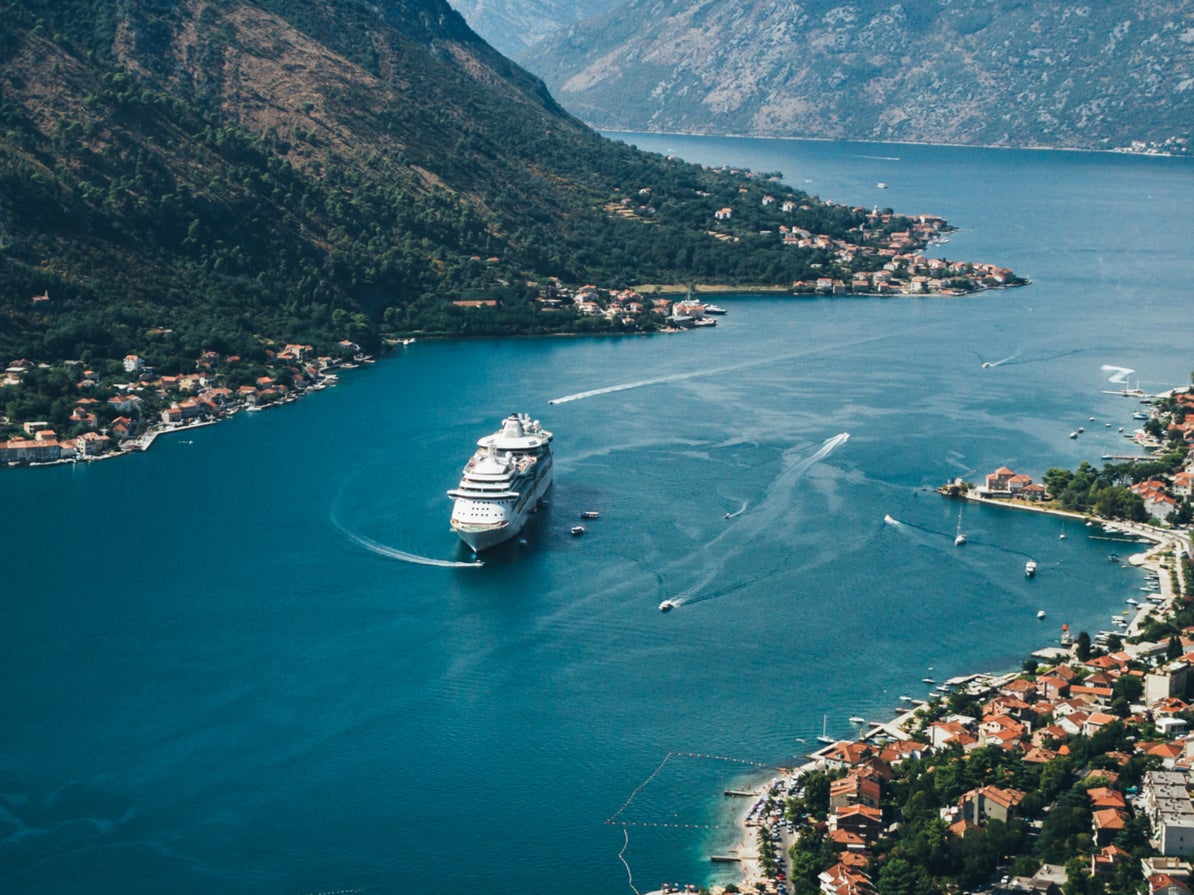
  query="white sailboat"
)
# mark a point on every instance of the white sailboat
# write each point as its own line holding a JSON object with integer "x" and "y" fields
{"x": 825, "y": 737}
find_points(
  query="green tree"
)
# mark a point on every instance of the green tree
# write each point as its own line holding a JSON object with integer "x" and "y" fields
{"x": 1082, "y": 646}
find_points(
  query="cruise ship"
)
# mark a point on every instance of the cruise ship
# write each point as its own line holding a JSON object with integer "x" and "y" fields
{"x": 502, "y": 483}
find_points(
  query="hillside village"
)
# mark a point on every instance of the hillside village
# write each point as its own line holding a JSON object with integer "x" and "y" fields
{"x": 1067, "y": 776}
{"x": 125, "y": 409}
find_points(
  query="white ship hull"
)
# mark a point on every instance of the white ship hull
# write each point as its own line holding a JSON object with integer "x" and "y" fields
{"x": 502, "y": 484}
{"x": 482, "y": 536}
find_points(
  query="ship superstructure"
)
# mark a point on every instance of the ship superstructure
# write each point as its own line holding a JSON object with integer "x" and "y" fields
{"x": 503, "y": 483}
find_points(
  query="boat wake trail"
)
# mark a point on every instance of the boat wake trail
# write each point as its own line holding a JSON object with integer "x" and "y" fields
{"x": 777, "y": 497}
{"x": 830, "y": 445}
{"x": 1014, "y": 361}
{"x": 891, "y": 520}
{"x": 393, "y": 553}
{"x": 1119, "y": 374}
{"x": 610, "y": 389}
{"x": 738, "y": 512}
{"x": 717, "y": 371}
{"x": 1000, "y": 363}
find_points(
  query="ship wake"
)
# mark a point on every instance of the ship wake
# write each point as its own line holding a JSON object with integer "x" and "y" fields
{"x": 777, "y": 497}
{"x": 394, "y": 553}
{"x": 1119, "y": 374}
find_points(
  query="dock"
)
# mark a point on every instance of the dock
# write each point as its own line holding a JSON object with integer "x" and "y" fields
{"x": 740, "y": 793}
{"x": 725, "y": 859}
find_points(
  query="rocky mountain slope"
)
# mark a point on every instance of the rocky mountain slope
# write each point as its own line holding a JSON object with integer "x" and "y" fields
{"x": 513, "y": 26}
{"x": 991, "y": 72}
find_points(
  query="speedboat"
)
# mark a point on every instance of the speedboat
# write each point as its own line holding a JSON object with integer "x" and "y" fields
{"x": 1030, "y": 568}
{"x": 959, "y": 539}
{"x": 1040, "y": 613}
{"x": 666, "y": 605}
{"x": 857, "y": 719}
{"x": 578, "y": 530}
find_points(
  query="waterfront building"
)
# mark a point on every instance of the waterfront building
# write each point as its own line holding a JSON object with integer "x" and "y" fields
{"x": 1169, "y": 809}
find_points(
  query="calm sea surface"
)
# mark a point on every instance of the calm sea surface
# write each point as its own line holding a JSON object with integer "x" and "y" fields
{"x": 228, "y": 668}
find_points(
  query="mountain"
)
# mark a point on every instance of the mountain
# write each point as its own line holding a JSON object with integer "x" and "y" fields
{"x": 513, "y": 26}
{"x": 982, "y": 72}
{"x": 184, "y": 181}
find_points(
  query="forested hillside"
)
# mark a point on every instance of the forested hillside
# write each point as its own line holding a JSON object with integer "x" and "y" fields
{"x": 980, "y": 72}
{"x": 220, "y": 172}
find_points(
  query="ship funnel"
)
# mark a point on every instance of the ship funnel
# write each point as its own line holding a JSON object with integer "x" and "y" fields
{"x": 512, "y": 427}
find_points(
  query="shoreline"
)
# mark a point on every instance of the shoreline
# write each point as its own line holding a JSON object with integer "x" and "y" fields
{"x": 1120, "y": 151}
{"x": 1158, "y": 557}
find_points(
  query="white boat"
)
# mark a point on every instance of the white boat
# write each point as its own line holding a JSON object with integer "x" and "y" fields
{"x": 825, "y": 737}
{"x": 1131, "y": 602}
{"x": 590, "y": 514}
{"x": 714, "y": 309}
{"x": 1073, "y": 435}
{"x": 666, "y": 605}
{"x": 578, "y": 530}
{"x": 959, "y": 538}
{"x": 1040, "y": 613}
{"x": 1061, "y": 537}
{"x": 1030, "y": 568}
{"x": 889, "y": 519}
{"x": 881, "y": 185}
{"x": 857, "y": 719}
{"x": 502, "y": 483}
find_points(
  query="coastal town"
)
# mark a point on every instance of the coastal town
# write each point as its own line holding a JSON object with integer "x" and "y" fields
{"x": 124, "y": 412}
{"x": 124, "y": 408}
{"x": 1067, "y": 775}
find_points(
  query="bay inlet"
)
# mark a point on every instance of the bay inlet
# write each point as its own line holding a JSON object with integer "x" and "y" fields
{"x": 250, "y": 663}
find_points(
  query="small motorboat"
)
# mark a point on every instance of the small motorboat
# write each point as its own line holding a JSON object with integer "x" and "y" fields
{"x": 1040, "y": 613}
{"x": 589, "y": 514}
{"x": 666, "y": 605}
{"x": 857, "y": 719}
{"x": 959, "y": 539}
{"x": 578, "y": 530}
{"x": 1030, "y": 568}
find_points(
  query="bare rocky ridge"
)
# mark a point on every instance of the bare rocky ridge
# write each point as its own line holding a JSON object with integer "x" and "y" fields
{"x": 1004, "y": 73}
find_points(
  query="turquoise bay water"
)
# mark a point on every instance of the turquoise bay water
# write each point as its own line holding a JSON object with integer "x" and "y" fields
{"x": 210, "y": 684}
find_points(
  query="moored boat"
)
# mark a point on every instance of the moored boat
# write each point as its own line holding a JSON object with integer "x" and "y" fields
{"x": 1030, "y": 568}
